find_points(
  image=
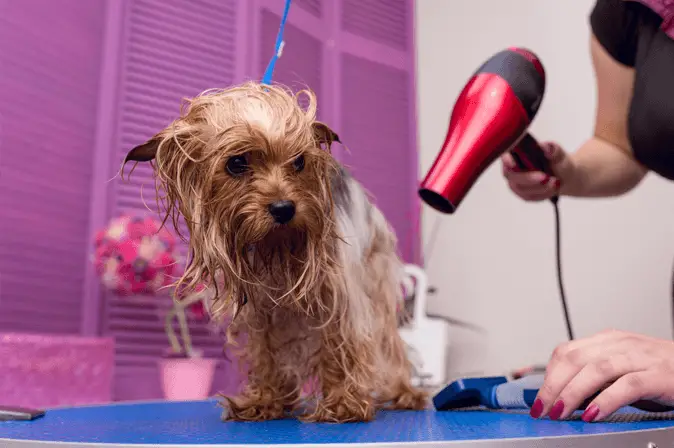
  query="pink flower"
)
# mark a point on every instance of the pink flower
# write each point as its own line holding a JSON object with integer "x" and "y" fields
{"x": 134, "y": 256}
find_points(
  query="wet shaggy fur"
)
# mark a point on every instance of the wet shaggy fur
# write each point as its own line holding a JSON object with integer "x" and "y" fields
{"x": 313, "y": 297}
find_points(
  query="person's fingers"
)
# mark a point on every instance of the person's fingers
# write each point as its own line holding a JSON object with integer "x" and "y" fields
{"x": 560, "y": 162}
{"x": 594, "y": 376}
{"x": 565, "y": 363}
{"x": 640, "y": 385}
{"x": 536, "y": 197}
{"x": 557, "y": 377}
{"x": 527, "y": 179}
{"x": 536, "y": 192}
{"x": 554, "y": 153}
{"x": 535, "y": 185}
{"x": 508, "y": 162}
{"x": 604, "y": 339}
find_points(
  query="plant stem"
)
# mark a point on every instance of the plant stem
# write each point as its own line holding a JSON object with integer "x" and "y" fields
{"x": 178, "y": 310}
{"x": 184, "y": 329}
{"x": 168, "y": 327}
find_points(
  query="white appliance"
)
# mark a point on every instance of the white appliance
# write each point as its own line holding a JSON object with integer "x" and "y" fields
{"x": 427, "y": 338}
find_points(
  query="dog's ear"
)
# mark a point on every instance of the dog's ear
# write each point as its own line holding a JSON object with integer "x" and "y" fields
{"x": 324, "y": 135}
{"x": 145, "y": 152}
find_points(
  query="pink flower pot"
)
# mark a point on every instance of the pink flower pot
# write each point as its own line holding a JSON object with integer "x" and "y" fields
{"x": 186, "y": 378}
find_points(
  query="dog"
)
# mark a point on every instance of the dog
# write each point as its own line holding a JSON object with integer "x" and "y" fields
{"x": 304, "y": 265}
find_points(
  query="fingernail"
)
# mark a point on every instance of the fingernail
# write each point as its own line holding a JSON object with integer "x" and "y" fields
{"x": 590, "y": 414}
{"x": 541, "y": 177}
{"x": 557, "y": 184}
{"x": 545, "y": 180}
{"x": 536, "y": 409}
{"x": 556, "y": 410}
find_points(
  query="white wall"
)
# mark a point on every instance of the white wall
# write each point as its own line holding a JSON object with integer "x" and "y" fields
{"x": 494, "y": 260}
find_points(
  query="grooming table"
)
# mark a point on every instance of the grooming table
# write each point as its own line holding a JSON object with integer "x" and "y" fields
{"x": 182, "y": 424}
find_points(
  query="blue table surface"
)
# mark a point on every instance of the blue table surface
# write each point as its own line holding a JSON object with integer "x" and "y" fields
{"x": 199, "y": 423}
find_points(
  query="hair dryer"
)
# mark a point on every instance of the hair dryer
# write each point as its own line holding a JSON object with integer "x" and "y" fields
{"x": 490, "y": 116}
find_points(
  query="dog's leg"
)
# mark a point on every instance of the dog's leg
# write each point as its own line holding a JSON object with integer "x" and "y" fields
{"x": 261, "y": 402}
{"x": 345, "y": 368}
{"x": 383, "y": 285}
{"x": 345, "y": 375}
{"x": 397, "y": 390}
{"x": 270, "y": 393}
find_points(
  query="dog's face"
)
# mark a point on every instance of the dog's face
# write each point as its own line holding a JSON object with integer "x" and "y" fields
{"x": 248, "y": 168}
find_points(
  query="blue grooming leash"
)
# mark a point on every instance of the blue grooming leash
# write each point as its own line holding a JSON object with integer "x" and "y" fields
{"x": 266, "y": 79}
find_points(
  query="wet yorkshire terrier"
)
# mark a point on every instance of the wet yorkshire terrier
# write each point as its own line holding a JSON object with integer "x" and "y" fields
{"x": 303, "y": 264}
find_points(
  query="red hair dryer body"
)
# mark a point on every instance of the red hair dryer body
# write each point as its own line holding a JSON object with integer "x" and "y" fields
{"x": 491, "y": 116}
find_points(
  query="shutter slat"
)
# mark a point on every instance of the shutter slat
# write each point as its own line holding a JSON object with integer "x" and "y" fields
{"x": 383, "y": 21}
{"x": 57, "y": 311}
{"x": 168, "y": 37}
{"x": 219, "y": 13}
{"x": 162, "y": 56}
{"x": 314, "y": 7}
{"x": 42, "y": 267}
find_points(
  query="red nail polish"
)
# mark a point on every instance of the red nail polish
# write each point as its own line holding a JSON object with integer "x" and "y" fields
{"x": 557, "y": 184}
{"x": 590, "y": 414}
{"x": 536, "y": 409}
{"x": 556, "y": 410}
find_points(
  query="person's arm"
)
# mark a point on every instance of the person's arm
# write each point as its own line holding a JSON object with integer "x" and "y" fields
{"x": 605, "y": 165}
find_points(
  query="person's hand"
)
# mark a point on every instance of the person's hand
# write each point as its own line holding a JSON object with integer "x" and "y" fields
{"x": 626, "y": 367}
{"x": 536, "y": 185}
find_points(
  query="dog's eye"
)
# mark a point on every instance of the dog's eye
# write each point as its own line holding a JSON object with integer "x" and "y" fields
{"x": 298, "y": 163}
{"x": 237, "y": 165}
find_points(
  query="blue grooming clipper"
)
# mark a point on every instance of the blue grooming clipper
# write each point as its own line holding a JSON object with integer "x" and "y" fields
{"x": 499, "y": 393}
{"x": 491, "y": 392}
{"x": 468, "y": 393}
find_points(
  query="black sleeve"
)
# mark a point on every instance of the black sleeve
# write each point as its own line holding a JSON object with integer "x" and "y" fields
{"x": 615, "y": 25}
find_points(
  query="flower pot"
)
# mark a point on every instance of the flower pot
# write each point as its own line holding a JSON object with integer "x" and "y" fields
{"x": 187, "y": 378}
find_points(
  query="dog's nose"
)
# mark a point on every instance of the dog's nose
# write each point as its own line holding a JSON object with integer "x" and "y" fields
{"x": 282, "y": 211}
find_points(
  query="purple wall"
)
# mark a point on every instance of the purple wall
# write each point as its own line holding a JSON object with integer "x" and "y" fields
{"x": 49, "y": 77}
{"x": 356, "y": 54}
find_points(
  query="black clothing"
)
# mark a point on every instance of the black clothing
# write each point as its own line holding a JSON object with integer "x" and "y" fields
{"x": 631, "y": 33}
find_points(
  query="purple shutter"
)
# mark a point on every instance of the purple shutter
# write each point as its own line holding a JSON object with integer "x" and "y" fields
{"x": 49, "y": 76}
{"x": 358, "y": 56}
{"x": 170, "y": 49}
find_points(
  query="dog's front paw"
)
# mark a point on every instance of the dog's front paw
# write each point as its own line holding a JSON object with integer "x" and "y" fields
{"x": 410, "y": 399}
{"x": 246, "y": 409}
{"x": 345, "y": 410}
